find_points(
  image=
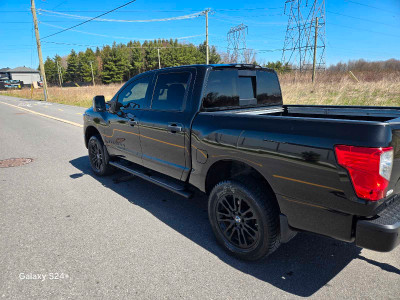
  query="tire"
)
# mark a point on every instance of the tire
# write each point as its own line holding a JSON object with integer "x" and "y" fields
{"x": 249, "y": 230}
{"x": 98, "y": 156}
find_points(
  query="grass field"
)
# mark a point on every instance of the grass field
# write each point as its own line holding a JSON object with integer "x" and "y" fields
{"x": 79, "y": 96}
{"x": 341, "y": 89}
{"x": 373, "y": 89}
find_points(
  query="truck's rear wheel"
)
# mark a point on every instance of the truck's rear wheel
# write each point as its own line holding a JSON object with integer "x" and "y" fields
{"x": 244, "y": 218}
{"x": 98, "y": 157}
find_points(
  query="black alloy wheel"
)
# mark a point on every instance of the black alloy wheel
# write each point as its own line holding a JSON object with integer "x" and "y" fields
{"x": 237, "y": 221}
{"x": 98, "y": 157}
{"x": 244, "y": 216}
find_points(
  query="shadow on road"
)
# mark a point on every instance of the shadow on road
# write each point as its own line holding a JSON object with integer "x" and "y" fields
{"x": 301, "y": 267}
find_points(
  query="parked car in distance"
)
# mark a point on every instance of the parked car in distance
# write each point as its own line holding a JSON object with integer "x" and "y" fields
{"x": 6, "y": 83}
{"x": 269, "y": 169}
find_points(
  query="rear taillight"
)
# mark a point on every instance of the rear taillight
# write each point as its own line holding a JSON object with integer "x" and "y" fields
{"x": 369, "y": 169}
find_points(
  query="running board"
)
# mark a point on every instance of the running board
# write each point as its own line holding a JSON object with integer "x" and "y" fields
{"x": 165, "y": 183}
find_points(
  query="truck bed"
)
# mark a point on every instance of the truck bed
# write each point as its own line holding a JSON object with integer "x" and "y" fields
{"x": 357, "y": 113}
{"x": 292, "y": 130}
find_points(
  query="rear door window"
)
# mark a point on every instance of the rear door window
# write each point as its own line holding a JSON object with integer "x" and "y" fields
{"x": 170, "y": 91}
{"x": 221, "y": 89}
{"x": 229, "y": 88}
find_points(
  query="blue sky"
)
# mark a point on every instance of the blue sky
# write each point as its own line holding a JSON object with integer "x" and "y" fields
{"x": 354, "y": 29}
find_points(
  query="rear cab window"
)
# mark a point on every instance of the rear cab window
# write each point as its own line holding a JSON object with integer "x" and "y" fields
{"x": 236, "y": 88}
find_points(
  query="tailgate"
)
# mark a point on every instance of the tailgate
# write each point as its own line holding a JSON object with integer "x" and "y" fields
{"x": 394, "y": 184}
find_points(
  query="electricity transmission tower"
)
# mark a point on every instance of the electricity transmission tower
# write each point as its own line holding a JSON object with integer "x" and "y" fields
{"x": 305, "y": 34}
{"x": 236, "y": 37}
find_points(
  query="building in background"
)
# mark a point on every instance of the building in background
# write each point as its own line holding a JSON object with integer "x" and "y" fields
{"x": 24, "y": 74}
{"x": 3, "y": 72}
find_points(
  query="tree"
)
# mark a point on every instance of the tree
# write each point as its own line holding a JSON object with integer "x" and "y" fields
{"x": 72, "y": 72}
{"x": 124, "y": 61}
{"x": 278, "y": 66}
{"x": 109, "y": 68}
{"x": 151, "y": 55}
{"x": 213, "y": 55}
{"x": 61, "y": 70}
{"x": 85, "y": 69}
{"x": 115, "y": 64}
{"x": 137, "y": 57}
{"x": 120, "y": 62}
{"x": 51, "y": 71}
{"x": 363, "y": 65}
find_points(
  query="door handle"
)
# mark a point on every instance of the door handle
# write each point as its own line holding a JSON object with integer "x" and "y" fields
{"x": 174, "y": 128}
{"x": 133, "y": 122}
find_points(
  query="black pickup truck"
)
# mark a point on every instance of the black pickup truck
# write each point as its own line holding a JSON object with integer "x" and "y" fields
{"x": 269, "y": 170}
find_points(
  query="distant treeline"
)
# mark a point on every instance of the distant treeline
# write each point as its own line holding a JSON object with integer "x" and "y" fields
{"x": 119, "y": 62}
{"x": 363, "y": 65}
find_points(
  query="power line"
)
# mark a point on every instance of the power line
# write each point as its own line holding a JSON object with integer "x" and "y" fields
{"x": 188, "y": 46}
{"x": 89, "y": 19}
{"x": 155, "y": 47}
{"x": 248, "y": 9}
{"x": 367, "y": 30}
{"x": 73, "y": 44}
{"x": 240, "y": 18}
{"x": 363, "y": 4}
{"x": 15, "y": 11}
{"x": 357, "y": 18}
{"x": 15, "y": 22}
{"x": 27, "y": 22}
{"x": 124, "y": 11}
{"x": 358, "y": 52}
{"x": 117, "y": 37}
{"x": 141, "y": 10}
{"x": 58, "y": 14}
{"x": 131, "y": 47}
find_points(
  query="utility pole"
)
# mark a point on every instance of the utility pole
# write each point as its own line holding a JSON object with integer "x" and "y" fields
{"x": 59, "y": 73}
{"x": 91, "y": 67}
{"x": 159, "y": 59}
{"x": 207, "y": 50}
{"x": 39, "y": 48}
{"x": 315, "y": 49}
{"x": 61, "y": 76}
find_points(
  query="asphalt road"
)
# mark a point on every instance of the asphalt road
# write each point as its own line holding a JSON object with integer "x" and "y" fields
{"x": 135, "y": 240}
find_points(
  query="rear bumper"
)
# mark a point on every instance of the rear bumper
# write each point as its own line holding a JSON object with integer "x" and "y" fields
{"x": 382, "y": 233}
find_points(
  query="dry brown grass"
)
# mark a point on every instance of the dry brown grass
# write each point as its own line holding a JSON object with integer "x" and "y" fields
{"x": 79, "y": 96}
{"x": 331, "y": 89}
{"x": 376, "y": 89}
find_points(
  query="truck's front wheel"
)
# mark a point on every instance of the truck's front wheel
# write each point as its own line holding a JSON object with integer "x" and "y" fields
{"x": 244, "y": 218}
{"x": 98, "y": 157}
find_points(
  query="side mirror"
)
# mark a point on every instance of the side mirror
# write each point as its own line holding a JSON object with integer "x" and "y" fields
{"x": 115, "y": 107}
{"x": 99, "y": 103}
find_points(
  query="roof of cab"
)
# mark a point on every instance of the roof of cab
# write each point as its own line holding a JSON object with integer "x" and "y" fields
{"x": 214, "y": 66}
{"x": 219, "y": 66}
